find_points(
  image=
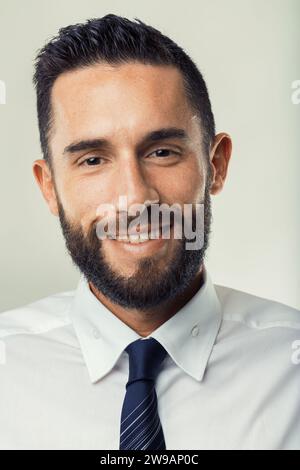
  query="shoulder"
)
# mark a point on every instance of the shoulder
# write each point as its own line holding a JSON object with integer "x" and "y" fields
{"x": 256, "y": 312}
{"x": 260, "y": 333}
{"x": 38, "y": 316}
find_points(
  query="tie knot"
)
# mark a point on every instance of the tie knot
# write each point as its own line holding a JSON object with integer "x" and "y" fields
{"x": 145, "y": 358}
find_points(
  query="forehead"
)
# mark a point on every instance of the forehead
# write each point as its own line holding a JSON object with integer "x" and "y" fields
{"x": 105, "y": 99}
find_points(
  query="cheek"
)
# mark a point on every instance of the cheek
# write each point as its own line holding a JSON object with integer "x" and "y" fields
{"x": 186, "y": 185}
{"x": 81, "y": 197}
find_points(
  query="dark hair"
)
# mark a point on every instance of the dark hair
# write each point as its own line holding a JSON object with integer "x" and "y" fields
{"x": 115, "y": 40}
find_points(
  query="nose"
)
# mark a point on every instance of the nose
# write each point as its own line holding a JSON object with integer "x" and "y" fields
{"x": 134, "y": 183}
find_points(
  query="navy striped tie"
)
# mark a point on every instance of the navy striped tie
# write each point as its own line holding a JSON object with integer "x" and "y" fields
{"x": 140, "y": 424}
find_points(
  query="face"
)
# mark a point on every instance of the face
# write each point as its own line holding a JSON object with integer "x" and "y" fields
{"x": 104, "y": 144}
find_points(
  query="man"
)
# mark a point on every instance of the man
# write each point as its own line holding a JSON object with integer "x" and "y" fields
{"x": 146, "y": 353}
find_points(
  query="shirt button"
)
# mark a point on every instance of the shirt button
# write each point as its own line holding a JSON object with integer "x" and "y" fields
{"x": 96, "y": 333}
{"x": 195, "y": 331}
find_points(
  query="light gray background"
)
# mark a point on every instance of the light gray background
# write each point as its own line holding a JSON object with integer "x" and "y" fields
{"x": 248, "y": 51}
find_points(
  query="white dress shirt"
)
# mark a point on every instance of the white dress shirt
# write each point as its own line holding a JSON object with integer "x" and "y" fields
{"x": 229, "y": 380}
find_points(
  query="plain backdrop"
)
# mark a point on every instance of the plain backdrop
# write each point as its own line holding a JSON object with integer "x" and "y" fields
{"x": 249, "y": 54}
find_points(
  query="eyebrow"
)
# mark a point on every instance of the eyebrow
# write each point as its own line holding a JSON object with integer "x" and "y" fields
{"x": 154, "y": 136}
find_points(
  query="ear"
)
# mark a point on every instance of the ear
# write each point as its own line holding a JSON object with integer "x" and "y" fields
{"x": 44, "y": 178}
{"x": 219, "y": 157}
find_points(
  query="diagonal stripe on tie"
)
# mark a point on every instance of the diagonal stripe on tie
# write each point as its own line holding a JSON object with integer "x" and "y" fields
{"x": 136, "y": 423}
{"x": 140, "y": 423}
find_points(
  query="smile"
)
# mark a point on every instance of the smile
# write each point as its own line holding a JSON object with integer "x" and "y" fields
{"x": 143, "y": 244}
{"x": 144, "y": 236}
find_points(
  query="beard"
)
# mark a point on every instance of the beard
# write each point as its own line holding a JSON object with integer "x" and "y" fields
{"x": 147, "y": 287}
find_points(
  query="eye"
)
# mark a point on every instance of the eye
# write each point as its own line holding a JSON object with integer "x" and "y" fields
{"x": 91, "y": 161}
{"x": 162, "y": 152}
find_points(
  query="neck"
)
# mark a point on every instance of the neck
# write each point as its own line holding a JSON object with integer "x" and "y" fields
{"x": 145, "y": 322}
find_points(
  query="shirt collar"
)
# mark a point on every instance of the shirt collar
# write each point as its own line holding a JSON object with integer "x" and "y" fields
{"x": 188, "y": 336}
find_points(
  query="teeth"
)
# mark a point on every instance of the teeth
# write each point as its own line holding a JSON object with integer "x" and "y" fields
{"x": 155, "y": 234}
{"x": 142, "y": 237}
{"x": 135, "y": 238}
